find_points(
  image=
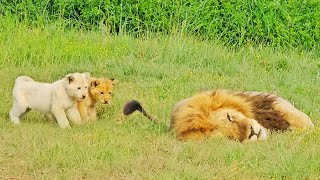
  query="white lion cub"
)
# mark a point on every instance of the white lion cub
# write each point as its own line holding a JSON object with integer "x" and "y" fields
{"x": 58, "y": 100}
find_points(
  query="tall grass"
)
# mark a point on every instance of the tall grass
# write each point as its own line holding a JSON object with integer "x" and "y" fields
{"x": 158, "y": 71}
{"x": 281, "y": 24}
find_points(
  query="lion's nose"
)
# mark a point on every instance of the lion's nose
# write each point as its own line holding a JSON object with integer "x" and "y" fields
{"x": 83, "y": 96}
{"x": 254, "y": 133}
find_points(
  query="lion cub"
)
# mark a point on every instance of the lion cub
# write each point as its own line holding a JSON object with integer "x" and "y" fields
{"x": 100, "y": 89}
{"x": 58, "y": 100}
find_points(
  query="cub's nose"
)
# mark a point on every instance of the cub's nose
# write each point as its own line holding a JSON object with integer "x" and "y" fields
{"x": 83, "y": 96}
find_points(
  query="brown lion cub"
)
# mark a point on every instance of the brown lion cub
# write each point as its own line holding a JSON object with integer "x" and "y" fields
{"x": 99, "y": 90}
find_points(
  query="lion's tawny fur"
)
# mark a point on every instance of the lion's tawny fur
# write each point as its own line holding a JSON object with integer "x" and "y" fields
{"x": 204, "y": 114}
{"x": 231, "y": 114}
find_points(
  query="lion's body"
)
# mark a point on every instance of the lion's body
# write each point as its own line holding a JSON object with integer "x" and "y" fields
{"x": 207, "y": 114}
{"x": 231, "y": 114}
{"x": 100, "y": 90}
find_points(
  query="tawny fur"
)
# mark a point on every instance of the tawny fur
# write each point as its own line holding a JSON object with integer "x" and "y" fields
{"x": 235, "y": 115}
{"x": 58, "y": 100}
{"x": 100, "y": 90}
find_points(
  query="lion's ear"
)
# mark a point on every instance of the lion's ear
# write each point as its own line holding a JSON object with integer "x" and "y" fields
{"x": 69, "y": 78}
{"x": 95, "y": 83}
{"x": 114, "y": 81}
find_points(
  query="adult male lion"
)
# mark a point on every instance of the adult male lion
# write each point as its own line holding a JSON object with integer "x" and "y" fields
{"x": 235, "y": 115}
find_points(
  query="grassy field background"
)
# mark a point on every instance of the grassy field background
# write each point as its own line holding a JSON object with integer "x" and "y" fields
{"x": 280, "y": 24}
{"x": 158, "y": 71}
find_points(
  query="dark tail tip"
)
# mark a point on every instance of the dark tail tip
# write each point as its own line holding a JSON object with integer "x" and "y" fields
{"x": 131, "y": 107}
{"x": 134, "y": 105}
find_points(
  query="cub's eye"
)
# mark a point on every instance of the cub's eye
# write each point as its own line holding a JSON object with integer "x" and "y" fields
{"x": 109, "y": 92}
{"x": 101, "y": 93}
{"x": 79, "y": 88}
{"x": 86, "y": 87}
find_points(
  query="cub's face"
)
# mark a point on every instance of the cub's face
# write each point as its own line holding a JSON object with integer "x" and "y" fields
{"x": 101, "y": 89}
{"x": 77, "y": 85}
{"x": 234, "y": 125}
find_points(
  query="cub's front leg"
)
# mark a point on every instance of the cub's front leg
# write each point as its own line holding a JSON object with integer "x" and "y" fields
{"x": 74, "y": 115}
{"x": 92, "y": 111}
{"x": 83, "y": 110}
{"x": 61, "y": 117}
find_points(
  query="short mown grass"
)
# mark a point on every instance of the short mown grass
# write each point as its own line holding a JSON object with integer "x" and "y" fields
{"x": 157, "y": 71}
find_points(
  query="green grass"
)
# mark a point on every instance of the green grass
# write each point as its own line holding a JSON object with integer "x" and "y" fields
{"x": 158, "y": 71}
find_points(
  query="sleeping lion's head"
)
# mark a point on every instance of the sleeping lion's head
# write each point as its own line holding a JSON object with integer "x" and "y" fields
{"x": 234, "y": 125}
{"x": 101, "y": 89}
{"x": 216, "y": 114}
{"x": 227, "y": 123}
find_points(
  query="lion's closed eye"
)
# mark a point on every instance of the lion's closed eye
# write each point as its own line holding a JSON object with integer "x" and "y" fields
{"x": 229, "y": 118}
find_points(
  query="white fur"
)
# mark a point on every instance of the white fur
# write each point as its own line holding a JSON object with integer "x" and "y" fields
{"x": 58, "y": 99}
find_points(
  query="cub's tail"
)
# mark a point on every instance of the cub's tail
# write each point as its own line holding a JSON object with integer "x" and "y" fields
{"x": 134, "y": 105}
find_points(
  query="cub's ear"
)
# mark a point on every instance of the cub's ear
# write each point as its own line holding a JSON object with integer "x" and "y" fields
{"x": 114, "y": 81}
{"x": 86, "y": 75}
{"x": 69, "y": 78}
{"x": 95, "y": 83}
